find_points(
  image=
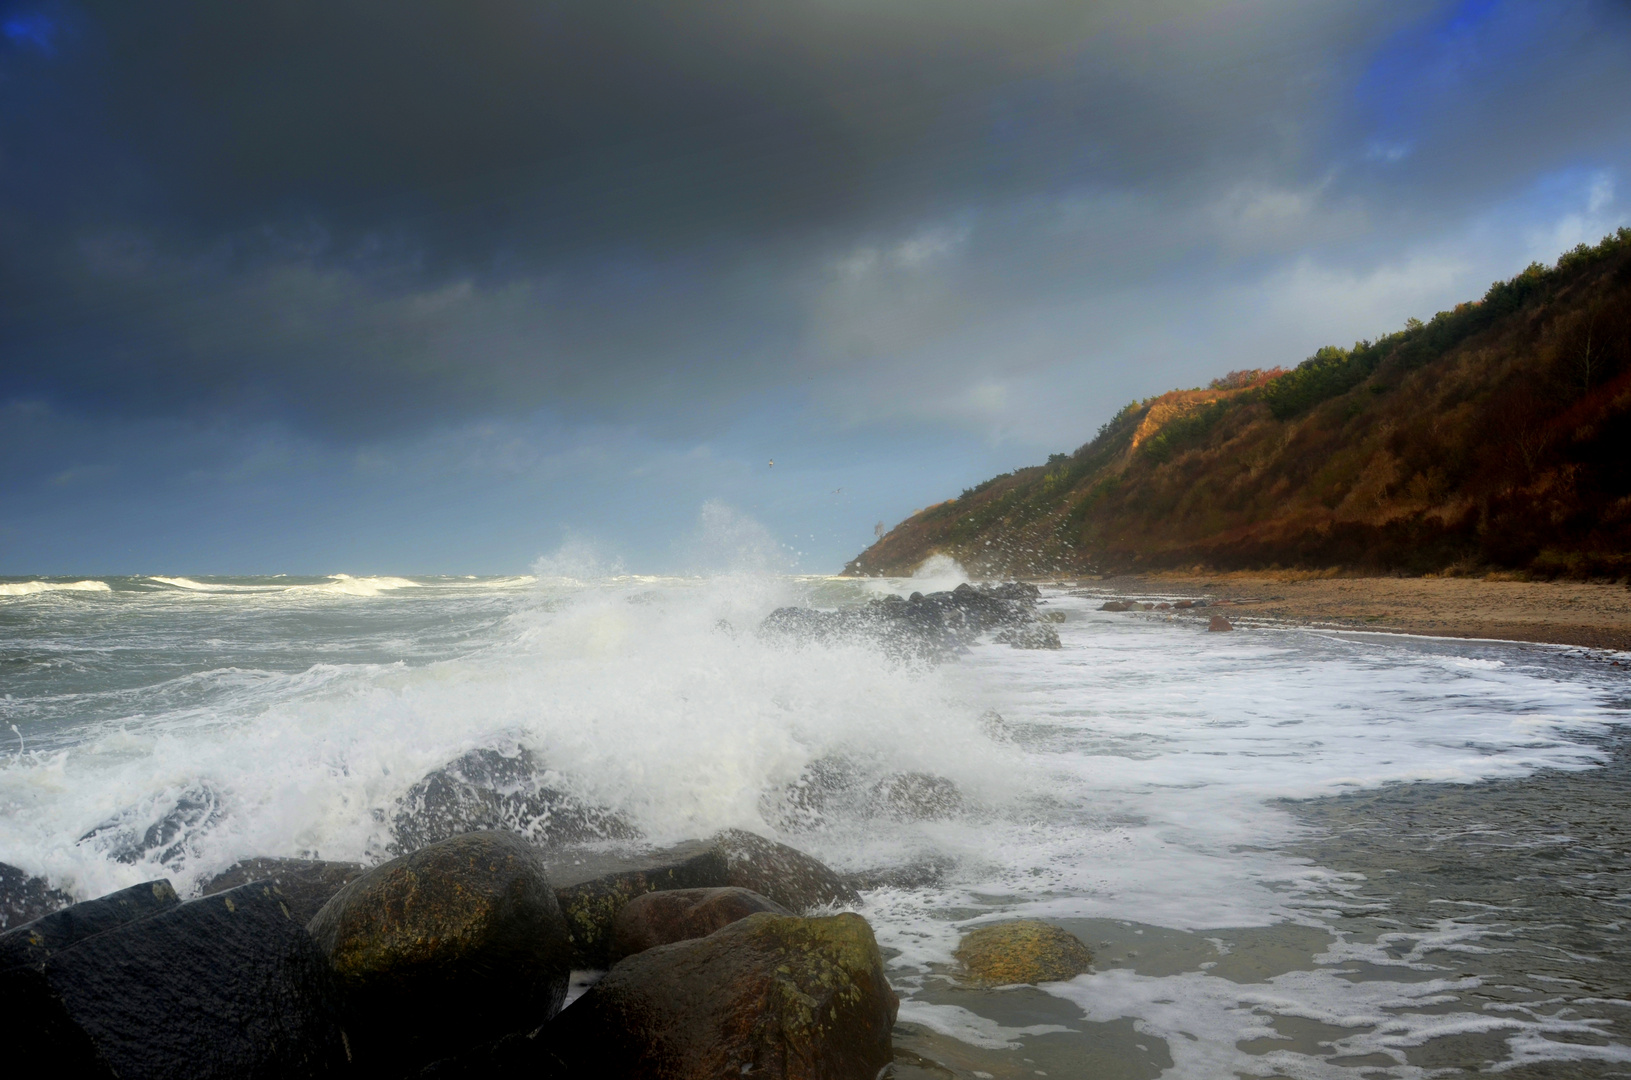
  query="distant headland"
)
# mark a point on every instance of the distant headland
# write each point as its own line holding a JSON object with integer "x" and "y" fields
{"x": 1495, "y": 437}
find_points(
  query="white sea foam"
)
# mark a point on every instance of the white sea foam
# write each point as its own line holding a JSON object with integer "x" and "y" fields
{"x": 33, "y": 588}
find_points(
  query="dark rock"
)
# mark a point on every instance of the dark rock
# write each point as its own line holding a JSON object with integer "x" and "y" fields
{"x": 34, "y": 942}
{"x": 593, "y": 887}
{"x": 133, "y": 835}
{"x": 24, "y": 898}
{"x": 304, "y": 884}
{"x": 489, "y": 790}
{"x": 767, "y": 996}
{"x": 228, "y": 986}
{"x": 1119, "y": 605}
{"x": 915, "y": 796}
{"x": 1034, "y": 636}
{"x": 784, "y": 874}
{"x": 1184, "y": 605}
{"x": 1023, "y": 951}
{"x": 914, "y": 875}
{"x": 1218, "y": 622}
{"x": 453, "y": 945}
{"x": 829, "y": 787}
{"x": 929, "y": 627}
{"x": 662, "y": 918}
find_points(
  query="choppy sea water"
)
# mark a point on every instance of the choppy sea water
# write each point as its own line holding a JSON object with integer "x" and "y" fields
{"x": 1296, "y": 853}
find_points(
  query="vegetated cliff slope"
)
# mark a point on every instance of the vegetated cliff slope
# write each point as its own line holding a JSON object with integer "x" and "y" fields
{"x": 1498, "y": 435}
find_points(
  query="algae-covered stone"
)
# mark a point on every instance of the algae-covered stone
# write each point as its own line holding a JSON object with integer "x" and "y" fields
{"x": 662, "y": 918}
{"x": 460, "y": 942}
{"x": 779, "y": 997}
{"x": 1025, "y": 951}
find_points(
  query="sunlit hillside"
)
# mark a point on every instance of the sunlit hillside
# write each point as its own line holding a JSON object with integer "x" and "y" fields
{"x": 1495, "y": 436}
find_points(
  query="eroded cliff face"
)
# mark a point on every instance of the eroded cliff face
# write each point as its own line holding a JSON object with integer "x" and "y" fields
{"x": 1498, "y": 435}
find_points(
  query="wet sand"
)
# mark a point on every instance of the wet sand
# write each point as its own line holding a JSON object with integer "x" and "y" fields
{"x": 1590, "y": 614}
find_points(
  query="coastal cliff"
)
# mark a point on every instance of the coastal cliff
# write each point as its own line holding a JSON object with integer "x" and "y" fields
{"x": 1496, "y": 436}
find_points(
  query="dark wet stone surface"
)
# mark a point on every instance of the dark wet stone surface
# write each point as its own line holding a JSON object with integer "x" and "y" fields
{"x": 225, "y": 986}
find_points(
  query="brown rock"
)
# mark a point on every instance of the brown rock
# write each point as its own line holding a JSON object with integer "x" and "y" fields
{"x": 1218, "y": 622}
{"x": 662, "y": 918}
{"x": 1023, "y": 951}
{"x": 456, "y": 944}
{"x": 768, "y": 996}
{"x": 592, "y": 888}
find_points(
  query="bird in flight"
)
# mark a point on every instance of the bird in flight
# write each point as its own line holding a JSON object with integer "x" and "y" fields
{"x": 772, "y": 463}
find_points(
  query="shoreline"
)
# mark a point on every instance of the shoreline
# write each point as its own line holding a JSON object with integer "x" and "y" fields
{"x": 1592, "y": 615}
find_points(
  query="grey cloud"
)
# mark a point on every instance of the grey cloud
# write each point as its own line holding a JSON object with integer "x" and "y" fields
{"x": 370, "y": 215}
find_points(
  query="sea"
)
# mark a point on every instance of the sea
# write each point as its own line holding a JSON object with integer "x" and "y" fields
{"x": 1294, "y": 852}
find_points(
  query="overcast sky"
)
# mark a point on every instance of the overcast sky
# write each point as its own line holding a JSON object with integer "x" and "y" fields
{"x": 415, "y": 287}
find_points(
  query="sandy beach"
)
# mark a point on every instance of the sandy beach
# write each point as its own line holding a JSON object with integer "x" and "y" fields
{"x": 1590, "y": 614}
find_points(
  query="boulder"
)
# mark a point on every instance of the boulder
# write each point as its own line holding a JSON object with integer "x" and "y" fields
{"x": 134, "y": 835}
{"x": 1023, "y": 951}
{"x": 1118, "y": 605}
{"x": 593, "y": 887}
{"x": 662, "y": 918}
{"x": 24, "y": 898}
{"x": 489, "y": 790}
{"x": 770, "y": 996}
{"x": 34, "y": 942}
{"x": 1031, "y": 636}
{"x": 1219, "y": 623}
{"x": 228, "y": 986}
{"x": 916, "y": 796}
{"x": 928, "y": 627}
{"x": 451, "y": 946}
{"x": 304, "y": 884}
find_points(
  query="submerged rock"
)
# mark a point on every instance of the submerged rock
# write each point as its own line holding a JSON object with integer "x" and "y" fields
{"x": 455, "y": 944}
{"x": 834, "y": 788}
{"x": 929, "y": 626}
{"x": 24, "y": 898}
{"x": 34, "y": 942}
{"x": 228, "y": 986}
{"x": 662, "y": 918}
{"x": 767, "y": 996}
{"x": 133, "y": 836}
{"x": 488, "y": 790}
{"x": 593, "y": 888}
{"x": 1024, "y": 951}
{"x": 304, "y": 884}
{"x": 1218, "y": 623}
{"x": 916, "y": 796}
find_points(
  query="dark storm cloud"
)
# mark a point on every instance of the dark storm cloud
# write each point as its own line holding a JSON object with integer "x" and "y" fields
{"x": 371, "y": 215}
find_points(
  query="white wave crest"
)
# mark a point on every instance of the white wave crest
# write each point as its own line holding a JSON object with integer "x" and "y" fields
{"x": 30, "y": 588}
{"x": 212, "y": 587}
{"x": 346, "y": 585}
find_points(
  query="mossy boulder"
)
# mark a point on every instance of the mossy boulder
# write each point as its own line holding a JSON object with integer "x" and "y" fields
{"x": 458, "y": 943}
{"x": 662, "y": 918}
{"x": 779, "y": 997}
{"x": 1024, "y": 951}
{"x": 593, "y": 887}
